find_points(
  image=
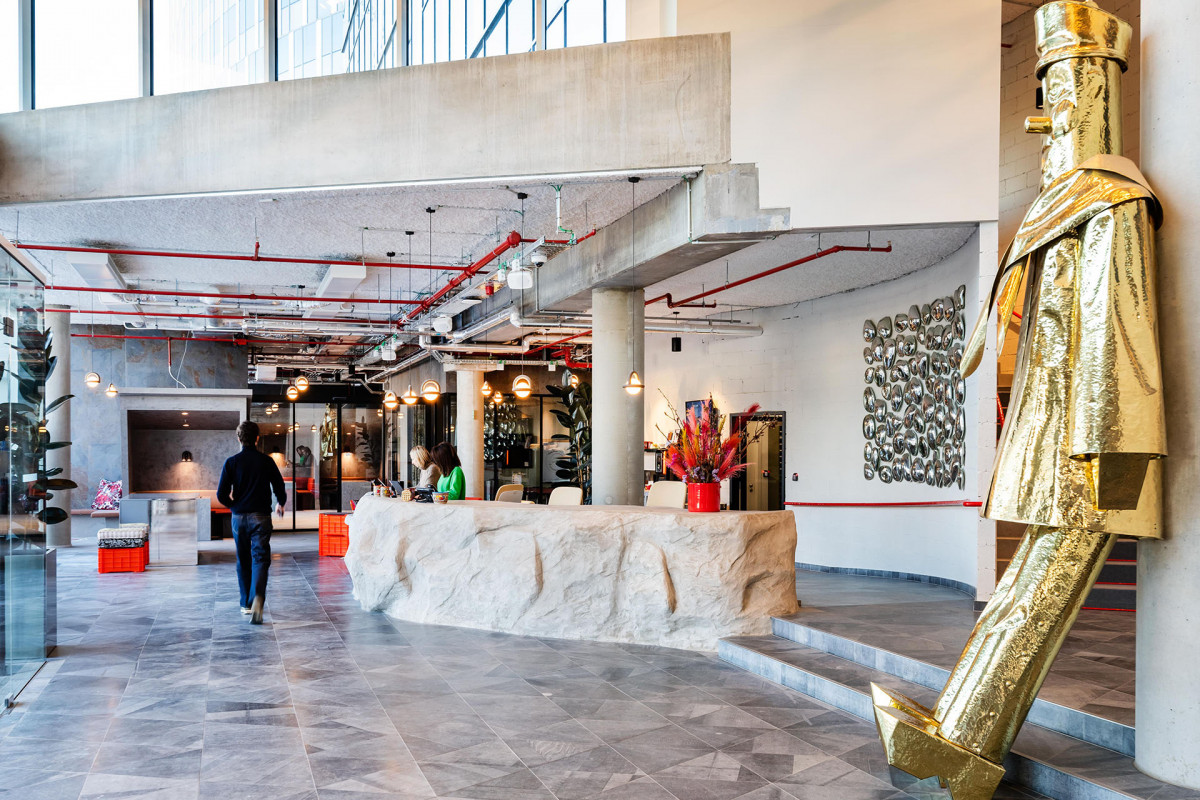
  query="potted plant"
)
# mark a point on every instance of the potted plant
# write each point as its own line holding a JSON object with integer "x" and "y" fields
{"x": 701, "y": 456}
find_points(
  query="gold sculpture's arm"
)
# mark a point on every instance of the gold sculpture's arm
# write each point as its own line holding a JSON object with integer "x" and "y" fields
{"x": 1012, "y": 278}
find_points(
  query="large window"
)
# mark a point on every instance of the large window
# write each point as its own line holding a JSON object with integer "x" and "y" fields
{"x": 10, "y": 57}
{"x": 572, "y": 23}
{"x": 370, "y": 41}
{"x": 312, "y": 34}
{"x": 85, "y": 51}
{"x": 206, "y": 44}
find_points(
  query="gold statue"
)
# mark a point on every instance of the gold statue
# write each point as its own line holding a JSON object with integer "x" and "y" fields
{"x": 1078, "y": 458}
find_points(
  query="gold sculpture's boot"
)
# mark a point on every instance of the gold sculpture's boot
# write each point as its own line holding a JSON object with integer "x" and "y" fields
{"x": 965, "y": 738}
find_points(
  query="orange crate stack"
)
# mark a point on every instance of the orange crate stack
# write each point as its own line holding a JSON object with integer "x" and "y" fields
{"x": 123, "y": 559}
{"x": 333, "y": 535}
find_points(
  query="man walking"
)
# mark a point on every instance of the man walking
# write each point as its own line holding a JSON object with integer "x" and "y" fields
{"x": 246, "y": 485}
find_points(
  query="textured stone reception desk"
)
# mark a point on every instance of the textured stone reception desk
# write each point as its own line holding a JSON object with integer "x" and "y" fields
{"x": 611, "y": 573}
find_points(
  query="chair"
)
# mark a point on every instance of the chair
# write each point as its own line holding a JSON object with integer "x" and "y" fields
{"x": 667, "y": 494}
{"x": 510, "y": 493}
{"x": 566, "y": 496}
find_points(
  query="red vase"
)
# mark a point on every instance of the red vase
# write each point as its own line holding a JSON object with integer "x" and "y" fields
{"x": 704, "y": 497}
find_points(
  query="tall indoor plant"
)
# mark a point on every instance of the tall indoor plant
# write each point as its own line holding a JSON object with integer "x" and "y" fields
{"x": 576, "y": 417}
{"x": 701, "y": 456}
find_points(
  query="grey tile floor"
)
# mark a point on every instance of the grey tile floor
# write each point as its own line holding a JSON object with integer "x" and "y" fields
{"x": 1094, "y": 671}
{"x": 160, "y": 689}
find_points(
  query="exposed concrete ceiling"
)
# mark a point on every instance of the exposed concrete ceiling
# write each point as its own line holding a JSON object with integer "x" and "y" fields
{"x": 1015, "y": 8}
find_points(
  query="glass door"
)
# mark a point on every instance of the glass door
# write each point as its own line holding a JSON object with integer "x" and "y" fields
{"x": 24, "y": 364}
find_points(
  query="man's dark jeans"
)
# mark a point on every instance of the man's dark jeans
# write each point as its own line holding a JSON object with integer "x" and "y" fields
{"x": 252, "y": 535}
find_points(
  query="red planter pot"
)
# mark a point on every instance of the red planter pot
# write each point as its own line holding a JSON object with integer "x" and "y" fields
{"x": 704, "y": 497}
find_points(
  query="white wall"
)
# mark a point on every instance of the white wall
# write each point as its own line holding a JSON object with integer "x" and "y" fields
{"x": 858, "y": 113}
{"x": 808, "y": 363}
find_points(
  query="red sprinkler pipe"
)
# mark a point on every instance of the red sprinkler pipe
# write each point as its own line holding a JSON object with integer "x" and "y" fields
{"x": 828, "y": 251}
{"x": 224, "y": 316}
{"x": 671, "y": 302}
{"x": 566, "y": 357}
{"x": 251, "y": 296}
{"x": 560, "y": 341}
{"x": 58, "y": 248}
{"x": 236, "y": 340}
{"x": 583, "y": 238}
{"x": 512, "y": 240}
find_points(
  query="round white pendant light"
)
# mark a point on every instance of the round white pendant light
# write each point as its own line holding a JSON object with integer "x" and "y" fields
{"x": 91, "y": 380}
{"x": 410, "y": 396}
{"x": 390, "y": 401}
{"x": 430, "y": 390}
{"x": 111, "y": 391}
{"x": 634, "y": 385}
{"x": 302, "y": 383}
{"x": 522, "y": 387}
{"x": 520, "y": 277}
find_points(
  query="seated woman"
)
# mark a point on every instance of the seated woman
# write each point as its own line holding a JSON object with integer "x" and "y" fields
{"x": 453, "y": 481}
{"x": 429, "y": 470}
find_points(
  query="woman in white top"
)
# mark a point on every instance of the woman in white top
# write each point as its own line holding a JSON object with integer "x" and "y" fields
{"x": 429, "y": 470}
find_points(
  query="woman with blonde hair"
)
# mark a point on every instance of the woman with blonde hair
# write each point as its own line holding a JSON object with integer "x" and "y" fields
{"x": 430, "y": 474}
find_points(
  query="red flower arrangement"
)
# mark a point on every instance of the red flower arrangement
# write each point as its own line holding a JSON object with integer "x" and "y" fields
{"x": 698, "y": 452}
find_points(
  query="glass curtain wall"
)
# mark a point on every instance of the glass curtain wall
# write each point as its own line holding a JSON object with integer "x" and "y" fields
{"x": 572, "y": 23}
{"x": 312, "y": 34}
{"x": 10, "y": 56}
{"x": 206, "y": 44}
{"x": 23, "y": 588}
{"x": 370, "y": 40}
{"x": 85, "y": 51}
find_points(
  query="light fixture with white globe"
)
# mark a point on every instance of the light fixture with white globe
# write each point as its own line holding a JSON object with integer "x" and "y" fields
{"x": 409, "y": 397}
{"x": 486, "y": 389}
{"x": 302, "y": 383}
{"x": 520, "y": 277}
{"x": 111, "y": 391}
{"x": 634, "y": 385}
{"x": 292, "y": 393}
{"x": 443, "y": 323}
{"x": 390, "y": 401}
{"x": 431, "y": 390}
{"x": 522, "y": 387}
{"x": 91, "y": 380}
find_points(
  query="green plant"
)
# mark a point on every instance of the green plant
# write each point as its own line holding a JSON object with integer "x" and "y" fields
{"x": 29, "y": 437}
{"x": 576, "y": 417}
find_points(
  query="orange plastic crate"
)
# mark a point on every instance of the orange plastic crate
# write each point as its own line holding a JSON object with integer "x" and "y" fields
{"x": 122, "y": 559}
{"x": 333, "y": 523}
{"x": 332, "y": 544}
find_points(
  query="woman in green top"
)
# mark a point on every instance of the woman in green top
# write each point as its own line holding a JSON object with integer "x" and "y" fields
{"x": 453, "y": 481}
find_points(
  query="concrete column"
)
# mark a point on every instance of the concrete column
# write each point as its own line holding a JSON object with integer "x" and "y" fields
{"x": 1168, "y": 636}
{"x": 618, "y": 346}
{"x": 468, "y": 429}
{"x": 59, "y": 422}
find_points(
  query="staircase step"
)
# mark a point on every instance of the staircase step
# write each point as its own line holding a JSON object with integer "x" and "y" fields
{"x": 1125, "y": 550}
{"x": 1113, "y": 597}
{"x": 1042, "y": 760}
{"x": 1062, "y": 719}
{"x": 1122, "y": 572}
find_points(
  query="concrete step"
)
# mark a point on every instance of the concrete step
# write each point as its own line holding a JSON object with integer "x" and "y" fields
{"x": 1062, "y": 719}
{"x": 1042, "y": 760}
{"x": 1113, "y": 597}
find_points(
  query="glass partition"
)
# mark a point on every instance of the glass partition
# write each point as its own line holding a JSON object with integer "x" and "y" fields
{"x": 23, "y": 367}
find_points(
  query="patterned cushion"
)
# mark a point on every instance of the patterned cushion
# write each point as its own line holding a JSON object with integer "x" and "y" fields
{"x": 106, "y": 534}
{"x": 120, "y": 544}
{"x": 108, "y": 496}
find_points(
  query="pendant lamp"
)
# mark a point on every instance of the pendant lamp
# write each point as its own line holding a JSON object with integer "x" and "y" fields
{"x": 522, "y": 387}
{"x": 498, "y": 398}
{"x": 430, "y": 390}
{"x": 410, "y": 396}
{"x": 314, "y": 428}
{"x": 302, "y": 383}
{"x": 292, "y": 393}
{"x": 634, "y": 385}
{"x": 91, "y": 380}
{"x": 486, "y": 389}
{"x": 111, "y": 391}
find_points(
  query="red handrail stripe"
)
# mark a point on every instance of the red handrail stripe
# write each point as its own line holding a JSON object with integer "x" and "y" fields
{"x": 924, "y": 503}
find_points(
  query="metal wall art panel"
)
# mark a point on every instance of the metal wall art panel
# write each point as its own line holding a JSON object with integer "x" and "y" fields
{"x": 913, "y": 361}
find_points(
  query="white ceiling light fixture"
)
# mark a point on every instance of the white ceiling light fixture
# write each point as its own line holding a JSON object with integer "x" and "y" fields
{"x": 431, "y": 390}
{"x": 292, "y": 393}
{"x": 522, "y": 387}
{"x": 390, "y": 401}
{"x": 409, "y": 397}
{"x": 634, "y": 385}
{"x": 302, "y": 383}
{"x": 91, "y": 380}
{"x": 519, "y": 277}
{"x": 111, "y": 391}
{"x": 443, "y": 323}
{"x": 486, "y": 389}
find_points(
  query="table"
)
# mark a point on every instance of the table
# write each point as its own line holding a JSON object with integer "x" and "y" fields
{"x": 610, "y": 573}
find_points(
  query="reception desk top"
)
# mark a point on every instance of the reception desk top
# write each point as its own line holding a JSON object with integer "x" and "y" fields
{"x": 655, "y": 576}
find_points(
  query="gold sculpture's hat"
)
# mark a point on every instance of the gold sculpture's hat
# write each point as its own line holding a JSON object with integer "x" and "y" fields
{"x": 1078, "y": 29}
